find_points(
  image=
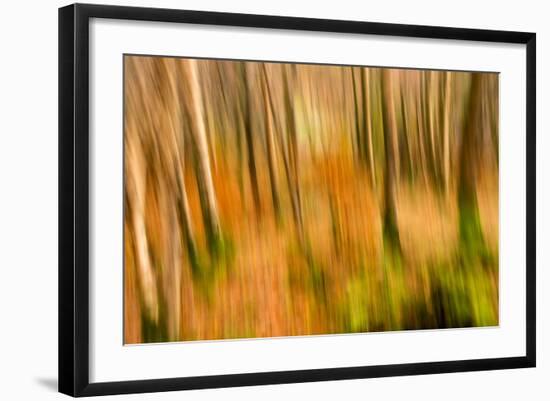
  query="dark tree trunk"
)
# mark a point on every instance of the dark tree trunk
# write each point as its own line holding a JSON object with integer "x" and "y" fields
{"x": 249, "y": 138}
{"x": 392, "y": 157}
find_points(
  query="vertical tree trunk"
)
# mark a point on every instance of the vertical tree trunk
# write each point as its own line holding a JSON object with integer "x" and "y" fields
{"x": 208, "y": 117}
{"x": 137, "y": 121}
{"x": 422, "y": 126}
{"x": 247, "y": 110}
{"x": 209, "y": 205}
{"x": 135, "y": 187}
{"x": 268, "y": 118}
{"x": 470, "y": 229}
{"x": 367, "y": 120}
{"x": 428, "y": 137}
{"x": 224, "y": 105}
{"x": 446, "y": 132}
{"x": 178, "y": 162}
{"x": 469, "y": 148}
{"x": 237, "y": 114}
{"x": 391, "y": 146}
{"x": 432, "y": 102}
{"x": 292, "y": 153}
{"x": 184, "y": 215}
{"x": 356, "y": 107}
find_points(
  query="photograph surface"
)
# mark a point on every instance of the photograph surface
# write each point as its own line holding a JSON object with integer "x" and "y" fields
{"x": 268, "y": 199}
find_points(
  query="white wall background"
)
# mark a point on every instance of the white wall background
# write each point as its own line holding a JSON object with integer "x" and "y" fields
{"x": 28, "y": 200}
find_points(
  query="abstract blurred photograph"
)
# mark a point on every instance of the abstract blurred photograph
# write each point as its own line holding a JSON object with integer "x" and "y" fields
{"x": 273, "y": 199}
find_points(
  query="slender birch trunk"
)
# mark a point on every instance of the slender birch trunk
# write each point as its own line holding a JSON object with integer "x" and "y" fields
{"x": 178, "y": 162}
{"x": 367, "y": 120}
{"x": 195, "y": 105}
{"x": 135, "y": 187}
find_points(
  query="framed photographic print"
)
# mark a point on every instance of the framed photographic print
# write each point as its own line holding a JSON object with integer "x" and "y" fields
{"x": 249, "y": 199}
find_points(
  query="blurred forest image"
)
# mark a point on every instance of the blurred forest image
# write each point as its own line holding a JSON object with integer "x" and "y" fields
{"x": 275, "y": 199}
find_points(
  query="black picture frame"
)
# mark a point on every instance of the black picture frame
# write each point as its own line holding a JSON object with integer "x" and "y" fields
{"x": 74, "y": 193}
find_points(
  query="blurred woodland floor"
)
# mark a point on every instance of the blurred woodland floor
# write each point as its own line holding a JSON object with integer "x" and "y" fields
{"x": 268, "y": 200}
